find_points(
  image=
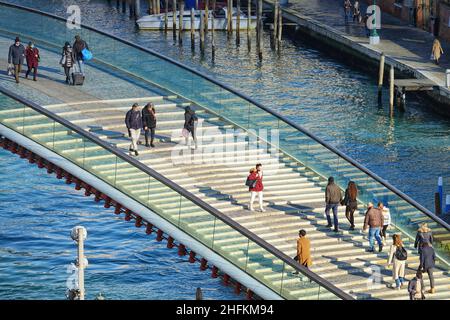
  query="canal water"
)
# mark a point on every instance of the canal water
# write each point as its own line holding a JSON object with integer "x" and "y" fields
{"x": 332, "y": 99}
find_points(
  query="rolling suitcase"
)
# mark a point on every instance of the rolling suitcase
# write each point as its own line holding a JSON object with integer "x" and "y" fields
{"x": 77, "y": 77}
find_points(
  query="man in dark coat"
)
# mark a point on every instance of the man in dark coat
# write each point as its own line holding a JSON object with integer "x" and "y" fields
{"x": 333, "y": 197}
{"x": 189, "y": 124}
{"x": 78, "y": 46}
{"x": 133, "y": 121}
{"x": 16, "y": 56}
{"x": 149, "y": 120}
{"x": 427, "y": 263}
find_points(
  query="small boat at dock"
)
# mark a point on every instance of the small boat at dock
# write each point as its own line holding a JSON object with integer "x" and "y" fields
{"x": 156, "y": 21}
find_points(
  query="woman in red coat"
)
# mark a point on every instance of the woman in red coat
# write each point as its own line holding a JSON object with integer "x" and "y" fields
{"x": 257, "y": 175}
{"x": 32, "y": 56}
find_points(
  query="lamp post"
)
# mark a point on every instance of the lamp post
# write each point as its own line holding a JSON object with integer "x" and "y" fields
{"x": 374, "y": 37}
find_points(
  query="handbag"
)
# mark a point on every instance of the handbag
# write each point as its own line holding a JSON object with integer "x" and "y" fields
{"x": 87, "y": 55}
{"x": 63, "y": 60}
{"x": 10, "y": 70}
{"x": 250, "y": 183}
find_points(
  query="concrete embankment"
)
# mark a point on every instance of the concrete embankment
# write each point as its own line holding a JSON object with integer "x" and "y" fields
{"x": 406, "y": 63}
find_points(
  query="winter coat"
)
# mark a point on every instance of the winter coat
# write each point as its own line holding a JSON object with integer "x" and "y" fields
{"x": 374, "y": 218}
{"x": 416, "y": 288}
{"x": 148, "y": 118}
{"x": 436, "y": 51}
{"x": 398, "y": 270}
{"x": 67, "y": 57}
{"x": 259, "y": 184}
{"x": 189, "y": 120}
{"x": 133, "y": 120}
{"x": 427, "y": 258}
{"x": 32, "y": 55}
{"x": 423, "y": 235}
{"x": 78, "y": 46}
{"x": 351, "y": 203}
{"x": 333, "y": 194}
{"x": 303, "y": 251}
{"x": 16, "y": 54}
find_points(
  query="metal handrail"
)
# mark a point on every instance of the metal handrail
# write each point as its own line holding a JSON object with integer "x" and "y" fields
{"x": 272, "y": 112}
{"x": 188, "y": 195}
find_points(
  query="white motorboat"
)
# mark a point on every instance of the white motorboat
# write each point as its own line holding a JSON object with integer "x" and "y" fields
{"x": 156, "y": 21}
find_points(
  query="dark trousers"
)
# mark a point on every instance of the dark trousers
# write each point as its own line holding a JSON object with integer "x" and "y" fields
{"x": 17, "y": 70}
{"x": 152, "y": 135}
{"x": 67, "y": 73}
{"x": 349, "y": 214}
{"x": 430, "y": 275}
{"x": 34, "y": 72}
{"x": 383, "y": 231}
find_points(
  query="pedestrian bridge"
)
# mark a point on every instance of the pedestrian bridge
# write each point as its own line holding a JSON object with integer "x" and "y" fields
{"x": 198, "y": 197}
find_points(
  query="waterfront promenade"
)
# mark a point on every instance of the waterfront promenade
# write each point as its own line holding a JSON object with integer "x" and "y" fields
{"x": 406, "y": 47}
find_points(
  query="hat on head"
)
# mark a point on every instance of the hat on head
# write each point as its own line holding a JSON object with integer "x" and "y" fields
{"x": 17, "y": 39}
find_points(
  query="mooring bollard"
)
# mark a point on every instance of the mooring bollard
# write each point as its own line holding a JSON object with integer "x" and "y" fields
{"x": 166, "y": 15}
{"x": 192, "y": 29}
{"x": 440, "y": 190}
{"x": 180, "y": 22}
{"x": 79, "y": 235}
{"x": 391, "y": 89}
{"x": 437, "y": 204}
{"x": 206, "y": 16}
{"x": 174, "y": 19}
{"x": 275, "y": 24}
{"x": 260, "y": 29}
{"x": 381, "y": 76}
{"x": 198, "y": 294}
{"x": 137, "y": 8}
{"x": 229, "y": 17}
{"x": 280, "y": 27}
{"x": 238, "y": 23}
{"x": 202, "y": 33}
{"x": 213, "y": 41}
{"x": 249, "y": 20}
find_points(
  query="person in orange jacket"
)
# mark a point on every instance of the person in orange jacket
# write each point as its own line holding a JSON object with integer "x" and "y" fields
{"x": 303, "y": 249}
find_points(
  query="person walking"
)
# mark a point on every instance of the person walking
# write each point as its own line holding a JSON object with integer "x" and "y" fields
{"x": 350, "y": 202}
{"x": 424, "y": 235}
{"x": 149, "y": 120}
{"x": 356, "y": 12}
{"x": 397, "y": 258}
{"x": 436, "y": 51}
{"x": 303, "y": 250}
{"x": 257, "y": 188}
{"x": 387, "y": 222}
{"x": 333, "y": 198}
{"x": 133, "y": 121}
{"x": 427, "y": 263}
{"x": 33, "y": 58}
{"x": 67, "y": 60}
{"x": 16, "y": 56}
{"x": 347, "y": 10}
{"x": 78, "y": 46}
{"x": 416, "y": 287}
{"x": 190, "y": 120}
{"x": 374, "y": 221}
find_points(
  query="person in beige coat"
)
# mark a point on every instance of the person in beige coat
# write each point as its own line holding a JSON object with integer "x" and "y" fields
{"x": 303, "y": 250}
{"x": 436, "y": 51}
{"x": 397, "y": 258}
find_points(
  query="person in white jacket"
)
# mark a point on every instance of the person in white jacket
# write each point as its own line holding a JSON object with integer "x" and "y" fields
{"x": 397, "y": 258}
{"x": 387, "y": 222}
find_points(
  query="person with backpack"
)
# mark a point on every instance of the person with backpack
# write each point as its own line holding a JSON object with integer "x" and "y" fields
{"x": 427, "y": 263}
{"x": 303, "y": 250}
{"x": 67, "y": 60}
{"x": 351, "y": 204}
{"x": 32, "y": 56}
{"x": 133, "y": 121}
{"x": 416, "y": 287}
{"x": 78, "y": 46}
{"x": 424, "y": 235}
{"x": 397, "y": 258}
{"x": 333, "y": 197}
{"x": 256, "y": 188}
{"x": 190, "y": 119}
{"x": 149, "y": 119}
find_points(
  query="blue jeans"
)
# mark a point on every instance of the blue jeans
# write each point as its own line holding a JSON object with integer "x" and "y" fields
{"x": 374, "y": 233}
{"x": 399, "y": 281}
{"x": 333, "y": 206}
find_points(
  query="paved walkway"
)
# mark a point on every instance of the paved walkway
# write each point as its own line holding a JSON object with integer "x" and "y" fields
{"x": 408, "y": 45}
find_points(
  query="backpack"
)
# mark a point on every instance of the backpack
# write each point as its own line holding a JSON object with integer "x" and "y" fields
{"x": 250, "y": 183}
{"x": 401, "y": 254}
